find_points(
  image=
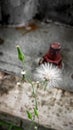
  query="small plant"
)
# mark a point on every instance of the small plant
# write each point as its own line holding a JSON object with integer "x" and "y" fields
{"x": 34, "y": 114}
{"x": 8, "y": 126}
{"x": 47, "y": 75}
{"x": 21, "y": 57}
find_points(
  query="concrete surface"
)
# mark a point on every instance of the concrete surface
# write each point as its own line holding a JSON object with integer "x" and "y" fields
{"x": 55, "y": 106}
{"x": 35, "y": 42}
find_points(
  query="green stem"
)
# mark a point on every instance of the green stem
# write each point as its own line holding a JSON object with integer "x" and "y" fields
{"x": 36, "y": 104}
{"x": 33, "y": 92}
{"x": 32, "y": 123}
{"x": 23, "y": 65}
{"x": 10, "y": 127}
{"x": 34, "y": 95}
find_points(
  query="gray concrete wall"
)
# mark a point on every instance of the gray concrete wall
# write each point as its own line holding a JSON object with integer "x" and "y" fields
{"x": 0, "y": 11}
{"x": 21, "y": 11}
{"x": 57, "y": 10}
{"x": 17, "y": 11}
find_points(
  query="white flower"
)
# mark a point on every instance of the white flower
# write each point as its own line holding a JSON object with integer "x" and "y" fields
{"x": 23, "y": 72}
{"x": 18, "y": 83}
{"x": 50, "y": 73}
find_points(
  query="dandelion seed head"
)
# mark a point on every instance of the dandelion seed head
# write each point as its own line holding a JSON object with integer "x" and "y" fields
{"x": 50, "y": 73}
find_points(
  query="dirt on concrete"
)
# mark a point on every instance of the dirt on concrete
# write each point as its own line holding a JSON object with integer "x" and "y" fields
{"x": 7, "y": 82}
{"x": 55, "y": 106}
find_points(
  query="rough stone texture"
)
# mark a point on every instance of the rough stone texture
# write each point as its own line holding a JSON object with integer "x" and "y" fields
{"x": 57, "y": 10}
{"x": 17, "y": 12}
{"x": 55, "y": 106}
{"x": 35, "y": 41}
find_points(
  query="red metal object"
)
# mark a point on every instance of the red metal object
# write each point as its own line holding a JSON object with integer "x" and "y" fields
{"x": 54, "y": 55}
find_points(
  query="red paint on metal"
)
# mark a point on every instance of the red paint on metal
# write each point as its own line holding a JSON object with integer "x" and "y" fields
{"x": 54, "y": 55}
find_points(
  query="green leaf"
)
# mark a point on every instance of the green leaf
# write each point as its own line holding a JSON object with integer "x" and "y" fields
{"x": 36, "y": 112}
{"x": 21, "y": 56}
{"x": 29, "y": 115}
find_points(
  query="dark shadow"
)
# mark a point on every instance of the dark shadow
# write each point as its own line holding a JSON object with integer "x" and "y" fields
{"x": 6, "y": 120}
